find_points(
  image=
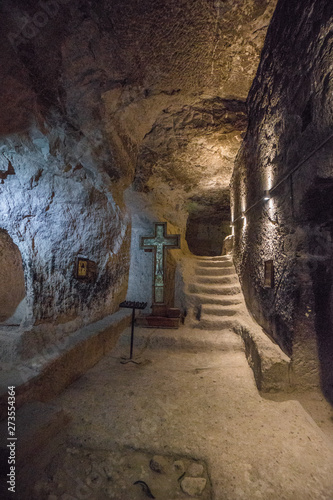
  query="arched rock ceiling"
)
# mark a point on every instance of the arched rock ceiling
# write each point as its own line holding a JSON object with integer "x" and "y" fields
{"x": 135, "y": 90}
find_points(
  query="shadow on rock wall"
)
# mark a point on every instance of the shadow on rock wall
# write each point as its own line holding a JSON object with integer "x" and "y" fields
{"x": 318, "y": 210}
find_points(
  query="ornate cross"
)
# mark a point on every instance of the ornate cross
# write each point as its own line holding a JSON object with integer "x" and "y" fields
{"x": 159, "y": 243}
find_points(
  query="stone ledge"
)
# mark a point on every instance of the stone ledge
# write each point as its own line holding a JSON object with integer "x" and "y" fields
{"x": 158, "y": 322}
{"x": 36, "y": 424}
{"x": 270, "y": 365}
{"x": 46, "y": 375}
{"x": 184, "y": 339}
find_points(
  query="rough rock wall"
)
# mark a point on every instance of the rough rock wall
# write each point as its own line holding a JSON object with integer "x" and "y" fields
{"x": 288, "y": 149}
{"x": 58, "y": 176}
{"x": 185, "y": 162}
{"x": 54, "y": 212}
{"x": 86, "y": 88}
{"x": 12, "y": 285}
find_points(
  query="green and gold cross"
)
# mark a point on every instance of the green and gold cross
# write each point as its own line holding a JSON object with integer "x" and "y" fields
{"x": 159, "y": 243}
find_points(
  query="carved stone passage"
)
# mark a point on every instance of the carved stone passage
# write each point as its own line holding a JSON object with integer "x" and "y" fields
{"x": 159, "y": 243}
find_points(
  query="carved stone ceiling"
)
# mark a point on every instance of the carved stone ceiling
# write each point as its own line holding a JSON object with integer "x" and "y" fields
{"x": 150, "y": 92}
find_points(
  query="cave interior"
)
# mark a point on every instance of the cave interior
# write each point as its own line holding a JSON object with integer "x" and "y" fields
{"x": 214, "y": 116}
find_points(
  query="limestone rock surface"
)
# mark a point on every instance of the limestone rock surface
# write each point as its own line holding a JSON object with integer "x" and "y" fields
{"x": 123, "y": 76}
{"x": 288, "y": 150}
{"x": 195, "y": 470}
{"x": 193, "y": 486}
{"x": 96, "y": 96}
{"x": 12, "y": 286}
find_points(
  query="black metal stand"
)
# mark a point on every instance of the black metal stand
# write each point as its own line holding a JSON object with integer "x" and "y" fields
{"x": 132, "y": 305}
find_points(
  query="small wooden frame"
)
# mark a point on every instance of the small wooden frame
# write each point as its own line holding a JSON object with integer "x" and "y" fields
{"x": 81, "y": 268}
{"x": 85, "y": 269}
{"x": 269, "y": 274}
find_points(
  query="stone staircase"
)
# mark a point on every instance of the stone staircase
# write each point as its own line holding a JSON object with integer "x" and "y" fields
{"x": 214, "y": 294}
{"x": 216, "y": 308}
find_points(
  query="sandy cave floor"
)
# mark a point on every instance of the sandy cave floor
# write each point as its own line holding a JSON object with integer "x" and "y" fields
{"x": 187, "y": 425}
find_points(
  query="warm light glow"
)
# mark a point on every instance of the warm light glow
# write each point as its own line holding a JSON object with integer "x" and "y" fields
{"x": 214, "y": 163}
{"x": 269, "y": 179}
{"x": 243, "y": 205}
{"x": 267, "y": 195}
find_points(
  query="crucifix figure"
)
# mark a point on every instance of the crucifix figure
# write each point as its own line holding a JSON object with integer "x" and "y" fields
{"x": 159, "y": 243}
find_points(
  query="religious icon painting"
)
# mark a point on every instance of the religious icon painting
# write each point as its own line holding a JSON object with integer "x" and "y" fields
{"x": 82, "y": 268}
{"x": 269, "y": 274}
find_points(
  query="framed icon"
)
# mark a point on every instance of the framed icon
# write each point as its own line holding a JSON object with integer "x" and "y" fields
{"x": 82, "y": 268}
{"x": 269, "y": 274}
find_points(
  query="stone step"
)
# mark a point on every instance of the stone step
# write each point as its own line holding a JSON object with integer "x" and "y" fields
{"x": 218, "y": 299}
{"x": 215, "y": 264}
{"x": 150, "y": 321}
{"x": 215, "y": 271}
{"x": 214, "y": 322}
{"x": 214, "y": 289}
{"x": 189, "y": 339}
{"x": 221, "y": 258}
{"x": 218, "y": 310}
{"x": 218, "y": 280}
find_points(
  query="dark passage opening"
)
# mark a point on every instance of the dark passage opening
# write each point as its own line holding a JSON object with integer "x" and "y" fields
{"x": 208, "y": 223}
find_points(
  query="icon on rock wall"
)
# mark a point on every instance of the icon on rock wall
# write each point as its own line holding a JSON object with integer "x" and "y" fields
{"x": 269, "y": 274}
{"x": 85, "y": 269}
{"x": 82, "y": 268}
